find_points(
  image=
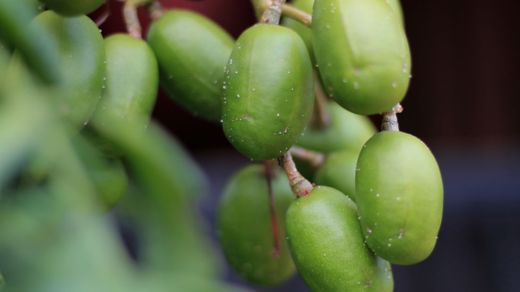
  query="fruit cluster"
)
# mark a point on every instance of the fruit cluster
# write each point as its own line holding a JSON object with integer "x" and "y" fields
{"x": 83, "y": 143}
{"x": 378, "y": 199}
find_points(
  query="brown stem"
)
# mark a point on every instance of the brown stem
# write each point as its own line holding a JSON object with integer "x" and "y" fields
{"x": 156, "y": 10}
{"x": 269, "y": 168}
{"x": 321, "y": 117}
{"x": 390, "y": 122}
{"x": 273, "y": 12}
{"x": 286, "y": 10}
{"x": 104, "y": 15}
{"x": 313, "y": 158}
{"x": 297, "y": 14}
{"x": 300, "y": 185}
{"x": 133, "y": 26}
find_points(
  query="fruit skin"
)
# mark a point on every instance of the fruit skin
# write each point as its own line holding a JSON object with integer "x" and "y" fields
{"x": 398, "y": 10}
{"x": 192, "y": 52}
{"x": 73, "y": 8}
{"x": 399, "y": 194}
{"x": 81, "y": 64}
{"x": 132, "y": 79}
{"x": 31, "y": 41}
{"x": 339, "y": 172}
{"x": 346, "y": 131}
{"x": 362, "y": 52}
{"x": 327, "y": 245}
{"x": 304, "y": 31}
{"x": 268, "y": 91}
{"x": 244, "y": 226}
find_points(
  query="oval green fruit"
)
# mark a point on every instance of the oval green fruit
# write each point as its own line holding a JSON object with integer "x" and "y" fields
{"x": 327, "y": 245}
{"x": 268, "y": 91}
{"x": 108, "y": 175}
{"x": 32, "y": 41}
{"x": 304, "y": 31}
{"x": 362, "y": 52}
{"x": 339, "y": 172}
{"x": 346, "y": 131}
{"x": 73, "y": 8}
{"x": 399, "y": 193}
{"x": 244, "y": 226}
{"x": 192, "y": 52}
{"x": 132, "y": 78}
{"x": 81, "y": 64}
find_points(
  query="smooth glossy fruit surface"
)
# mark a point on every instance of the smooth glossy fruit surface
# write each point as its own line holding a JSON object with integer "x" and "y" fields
{"x": 244, "y": 226}
{"x": 362, "y": 53}
{"x": 192, "y": 52}
{"x": 339, "y": 172}
{"x": 396, "y": 7}
{"x": 327, "y": 245}
{"x": 399, "y": 193}
{"x": 132, "y": 79}
{"x": 81, "y": 64}
{"x": 347, "y": 131}
{"x": 268, "y": 91}
{"x": 73, "y": 7}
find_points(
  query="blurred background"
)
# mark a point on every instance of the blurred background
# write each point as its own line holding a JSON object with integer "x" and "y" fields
{"x": 463, "y": 102}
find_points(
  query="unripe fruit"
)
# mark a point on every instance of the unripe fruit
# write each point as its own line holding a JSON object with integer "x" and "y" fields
{"x": 31, "y": 41}
{"x": 396, "y": 7}
{"x": 81, "y": 63}
{"x": 327, "y": 245}
{"x": 339, "y": 172}
{"x": 132, "y": 79}
{"x": 268, "y": 91}
{"x": 399, "y": 193}
{"x": 192, "y": 52}
{"x": 73, "y": 7}
{"x": 362, "y": 52}
{"x": 346, "y": 131}
{"x": 245, "y": 230}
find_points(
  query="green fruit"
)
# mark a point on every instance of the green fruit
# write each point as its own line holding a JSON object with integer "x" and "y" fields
{"x": 399, "y": 193}
{"x": 131, "y": 79}
{"x": 396, "y": 7}
{"x": 327, "y": 245}
{"x": 362, "y": 53}
{"x": 304, "y": 31}
{"x": 339, "y": 172}
{"x": 81, "y": 63}
{"x": 192, "y": 52}
{"x": 268, "y": 92}
{"x": 32, "y": 41}
{"x": 107, "y": 175}
{"x": 73, "y": 8}
{"x": 244, "y": 226}
{"x": 347, "y": 131}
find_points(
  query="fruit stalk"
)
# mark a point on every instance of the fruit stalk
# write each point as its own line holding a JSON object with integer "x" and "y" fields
{"x": 269, "y": 168}
{"x": 104, "y": 15}
{"x": 314, "y": 158}
{"x": 132, "y": 19}
{"x": 390, "y": 122}
{"x": 300, "y": 185}
{"x": 156, "y": 10}
{"x": 273, "y": 12}
{"x": 297, "y": 14}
